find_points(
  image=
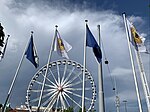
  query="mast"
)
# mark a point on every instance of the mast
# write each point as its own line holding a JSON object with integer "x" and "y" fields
{"x": 125, "y": 105}
{"x": 15, "y": 77}
{"x": 132, "y": 64}
{"x": 84, "y": 64}
{"x": 100, "y": 80}
{"x": 143, "y": 79}
{"x": 117, "y": 100}
{"x": 47, "y": 66}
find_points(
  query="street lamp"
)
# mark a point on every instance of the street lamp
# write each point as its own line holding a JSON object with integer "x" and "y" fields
{"x": 125, "y": 106}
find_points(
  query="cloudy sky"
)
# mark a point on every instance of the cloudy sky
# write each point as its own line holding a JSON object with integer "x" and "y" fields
{"x": 20, "y": 17}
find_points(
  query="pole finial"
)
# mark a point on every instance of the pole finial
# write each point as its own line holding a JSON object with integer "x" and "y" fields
{"x": 123, "y": 13}
{"x": 98, "y": 26}
{"x": 32, "y": 32}
{"x": 56, "y": 26}
{"x": 86, "y": 20}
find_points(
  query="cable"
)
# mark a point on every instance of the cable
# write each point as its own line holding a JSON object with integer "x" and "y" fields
{"x": 107, "y": 63}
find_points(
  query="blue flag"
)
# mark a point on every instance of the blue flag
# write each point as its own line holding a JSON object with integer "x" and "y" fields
{"x": 31, "y": 53}
{"x": 91, "y": 42}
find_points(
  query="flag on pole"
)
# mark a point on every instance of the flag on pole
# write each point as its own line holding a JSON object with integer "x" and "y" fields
{"x": 3, "y": 49}
{"x": 91, "y": 42}
{"x": 5, "y": 46}
{"x": 135, "y": 38}
{"x": 61, "y": 46}
{"x": 31, "y": 53}
{"x": 1, "y": 52}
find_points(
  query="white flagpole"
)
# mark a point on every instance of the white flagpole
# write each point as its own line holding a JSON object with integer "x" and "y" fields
{"x": 132, "y": 64}
{"x": 15, "y": 77}
{"x": 84, "y": 64}
{"x": 143, "y": 79}
{"x": 100, "y": 80}
{"x": 117, "y": 100}
{"x": 47, "y": 66}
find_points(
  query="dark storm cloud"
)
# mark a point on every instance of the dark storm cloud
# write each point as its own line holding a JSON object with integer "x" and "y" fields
{"x": 69, "y": 5}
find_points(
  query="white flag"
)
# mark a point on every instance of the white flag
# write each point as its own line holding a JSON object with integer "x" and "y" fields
{"x": 61, "y": 46}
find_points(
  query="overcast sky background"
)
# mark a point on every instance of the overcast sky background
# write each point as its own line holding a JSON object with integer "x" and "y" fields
{"x": 19, "y": 17}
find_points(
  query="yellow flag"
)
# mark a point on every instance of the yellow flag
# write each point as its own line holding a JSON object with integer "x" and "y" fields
{"x": 135, "y": 38}
{"x": 135, "y": 35}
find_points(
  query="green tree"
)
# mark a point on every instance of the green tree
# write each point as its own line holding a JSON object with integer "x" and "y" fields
{"x": 8, "y": 109}
{"x": 80, "y": 110}
{"x": 1, "y": 105}
{"x": 92, "y": 110}
{"x": 70, "y": 109}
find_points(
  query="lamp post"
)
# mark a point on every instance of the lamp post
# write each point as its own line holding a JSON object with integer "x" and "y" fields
{"x": 125, "y": 105}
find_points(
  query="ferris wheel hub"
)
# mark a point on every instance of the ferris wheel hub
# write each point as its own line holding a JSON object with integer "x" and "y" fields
{"x": 60, "y": 89}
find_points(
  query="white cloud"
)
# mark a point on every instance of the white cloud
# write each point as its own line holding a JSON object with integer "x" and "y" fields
{"x": 121, "y": 72}
{"x": 136, "y": 19}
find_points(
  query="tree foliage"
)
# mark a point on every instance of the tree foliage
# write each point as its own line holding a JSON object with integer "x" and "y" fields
{"x": 70, "y": 109}
{"x": 80, "y": 110}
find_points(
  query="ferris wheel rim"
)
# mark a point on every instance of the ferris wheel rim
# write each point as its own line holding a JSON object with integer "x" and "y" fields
{"x": 64, "y": 95}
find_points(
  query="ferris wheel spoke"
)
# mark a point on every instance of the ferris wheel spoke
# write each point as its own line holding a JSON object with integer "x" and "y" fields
{"x": 76, "y": 76}
{"x": 72, "y": 100}
{"x": 65, "y": 99}
{"x": 62, "y": 101}
{"x": 58, "y": 73}
{"x": 45, "y": 90}
{"x": 72, "y": 93}
{"x": 53, "y": 100}
{"x": 67, "y": 78}
{"x": 49, "y": 99}
{"x": 35, "y": 100}
{"x": 64, "y": 73}
{"x": 69, "y": 85}
{"x": 44, "y": 96}
{"x": 48, "y": 94}
{"x": 57, "y": 102}
{"x": 53, "y": 76}
{"x": 36, "y": 91}
{"x": 74, "y": 84}
{"x": 78, "y": 89}
{"x": 50, "y": 81}
{"x": 45, "y": 84}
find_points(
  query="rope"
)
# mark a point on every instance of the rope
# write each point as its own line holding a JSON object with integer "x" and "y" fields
{"x": 107, "y": 63}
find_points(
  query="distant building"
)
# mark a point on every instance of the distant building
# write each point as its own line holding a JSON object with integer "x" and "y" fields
{"x": 23, "y": 108}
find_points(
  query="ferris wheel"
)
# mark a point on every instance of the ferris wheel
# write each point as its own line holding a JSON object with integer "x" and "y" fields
{"x": 63, "y": 87}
